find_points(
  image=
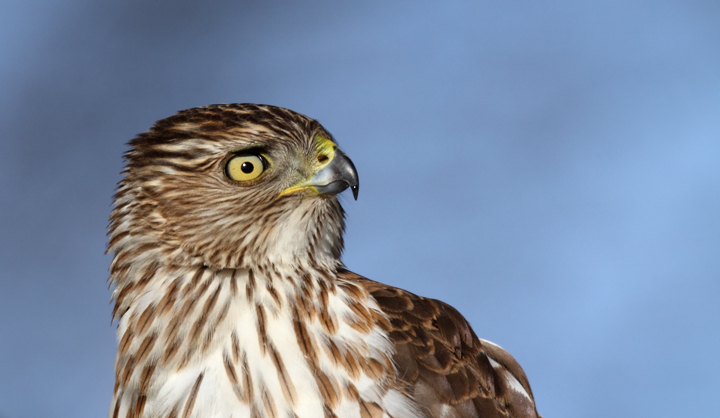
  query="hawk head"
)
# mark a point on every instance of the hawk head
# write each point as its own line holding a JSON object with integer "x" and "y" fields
{"x": 223, "y": 185}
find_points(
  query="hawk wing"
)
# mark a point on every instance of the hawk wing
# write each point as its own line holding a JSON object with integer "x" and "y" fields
{"x": 443, "y": 365}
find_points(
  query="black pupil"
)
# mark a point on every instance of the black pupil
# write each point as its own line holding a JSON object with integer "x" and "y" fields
{"x": 247, "y": 167}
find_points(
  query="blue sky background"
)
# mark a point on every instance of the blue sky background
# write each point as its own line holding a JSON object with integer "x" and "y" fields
{"x": 551, "y": 169}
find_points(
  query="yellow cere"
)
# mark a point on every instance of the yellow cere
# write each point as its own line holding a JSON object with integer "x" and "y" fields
{"x": 245, "y": 167}
{"x": 324, "y": 152}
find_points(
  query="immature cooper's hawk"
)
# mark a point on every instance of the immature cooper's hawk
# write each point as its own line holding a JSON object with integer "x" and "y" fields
{"x": 232, "y": 300}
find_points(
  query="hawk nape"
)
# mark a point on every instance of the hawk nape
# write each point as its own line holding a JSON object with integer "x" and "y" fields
{"x": 232, "y": 301}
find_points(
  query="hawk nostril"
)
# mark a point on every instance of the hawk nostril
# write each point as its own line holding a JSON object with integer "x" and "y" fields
{"x": 322, "y": 158}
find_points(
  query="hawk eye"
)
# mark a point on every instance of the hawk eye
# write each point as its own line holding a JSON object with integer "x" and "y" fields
{"x": 245, "y": 167}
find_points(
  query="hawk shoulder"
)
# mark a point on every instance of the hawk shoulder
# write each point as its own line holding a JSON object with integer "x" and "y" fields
{"x": 442, "y": 364}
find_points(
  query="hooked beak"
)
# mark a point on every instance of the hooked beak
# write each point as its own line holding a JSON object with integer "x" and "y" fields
{"x": 337, "y": 176}
{"x": 333, "y": 177}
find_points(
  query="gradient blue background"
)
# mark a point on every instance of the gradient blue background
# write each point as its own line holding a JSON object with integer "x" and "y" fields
{"x": 551, "y": 169}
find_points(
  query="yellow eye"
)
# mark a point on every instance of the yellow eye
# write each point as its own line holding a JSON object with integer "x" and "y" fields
{"x": 245, "y": 167}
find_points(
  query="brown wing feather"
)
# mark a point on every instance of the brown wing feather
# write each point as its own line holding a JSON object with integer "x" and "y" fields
{"x": 448, "y": 370}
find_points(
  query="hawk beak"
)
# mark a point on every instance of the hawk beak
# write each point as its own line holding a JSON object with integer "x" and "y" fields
{"x": 337, "y": 175}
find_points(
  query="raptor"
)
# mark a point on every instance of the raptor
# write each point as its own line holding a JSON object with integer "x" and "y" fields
{"x": 232, "y": 300}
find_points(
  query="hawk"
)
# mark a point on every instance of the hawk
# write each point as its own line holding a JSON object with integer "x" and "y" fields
{"x": 232, "y": 300}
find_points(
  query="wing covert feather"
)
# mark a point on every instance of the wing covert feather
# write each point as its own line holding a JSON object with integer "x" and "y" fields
{"x": 443, "y": 365}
